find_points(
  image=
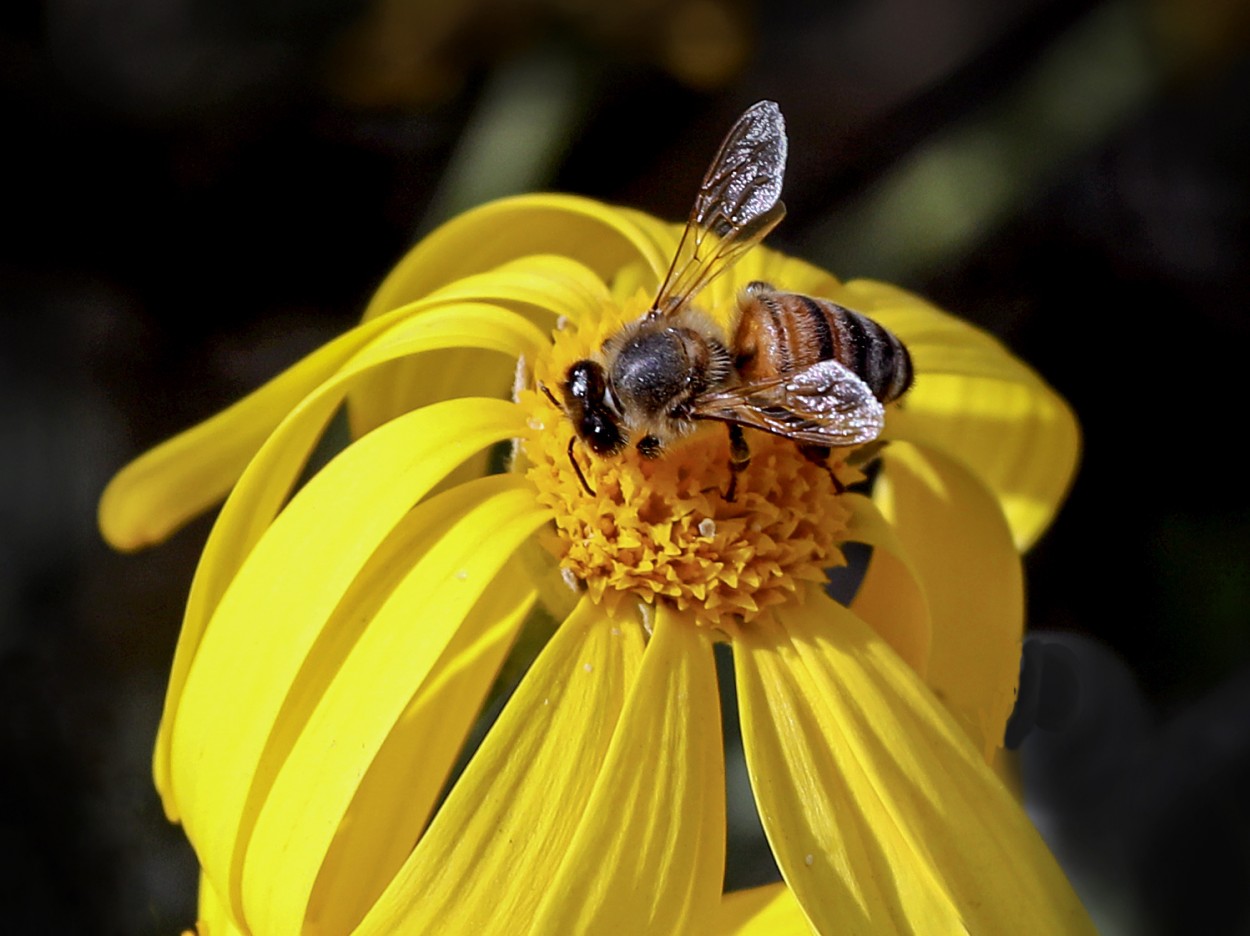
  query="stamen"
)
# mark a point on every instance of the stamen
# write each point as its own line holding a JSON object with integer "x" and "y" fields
{"x": 661, "y": 529}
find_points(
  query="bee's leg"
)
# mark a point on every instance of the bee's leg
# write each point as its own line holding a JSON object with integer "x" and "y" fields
{"x": 819, "y": 455}
{"x": 739, "y": 459}
{"x": 866, "y": 454}
{"x": 578, "y": 469}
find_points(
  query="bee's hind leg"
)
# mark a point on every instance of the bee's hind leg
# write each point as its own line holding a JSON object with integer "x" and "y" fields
{"x": 739, "y": 459}
{"x": 866, "y": 454}
{"x": 819, "y": 455}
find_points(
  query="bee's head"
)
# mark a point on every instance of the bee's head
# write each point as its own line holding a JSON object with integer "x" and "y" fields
{"x": 586, "y": 401}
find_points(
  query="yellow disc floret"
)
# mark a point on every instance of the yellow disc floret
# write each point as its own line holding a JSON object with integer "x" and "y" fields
{"x": 661, "y": 528}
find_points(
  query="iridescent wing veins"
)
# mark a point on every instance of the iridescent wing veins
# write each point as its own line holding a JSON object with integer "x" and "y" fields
{"x": 825, "y": 404}
{"x": 737, "y": 205}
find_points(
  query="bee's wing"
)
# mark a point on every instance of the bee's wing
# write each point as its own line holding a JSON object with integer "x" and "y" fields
{"x": 825, "y": 404}
{"x": 736, "y": 207}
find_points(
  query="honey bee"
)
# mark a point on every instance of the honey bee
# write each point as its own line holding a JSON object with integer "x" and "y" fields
{"x": 798, "y": 367}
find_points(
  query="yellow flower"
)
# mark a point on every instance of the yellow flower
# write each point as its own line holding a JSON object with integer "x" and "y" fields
{"x": 340, "y": 641}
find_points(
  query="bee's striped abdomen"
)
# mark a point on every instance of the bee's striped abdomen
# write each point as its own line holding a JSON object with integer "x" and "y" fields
{"x": 873, "y": 352}
{"x": 781, "y": 333}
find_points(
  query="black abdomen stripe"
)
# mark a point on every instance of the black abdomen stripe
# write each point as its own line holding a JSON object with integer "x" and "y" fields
{"x": 857, "y": 351}
{"x": 879, "y": 358}
{"x": 820, "y": 325}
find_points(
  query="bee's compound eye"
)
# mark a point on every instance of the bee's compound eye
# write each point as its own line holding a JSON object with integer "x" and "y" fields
{"x": 584, "y": 381}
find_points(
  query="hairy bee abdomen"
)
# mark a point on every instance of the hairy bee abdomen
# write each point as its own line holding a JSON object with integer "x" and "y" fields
{"x": 873, "y": 352}
{"x": 781, "y": 333}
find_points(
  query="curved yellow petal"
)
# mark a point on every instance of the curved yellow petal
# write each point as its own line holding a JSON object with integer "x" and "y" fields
{"x": 791, "y": 273}
{"x": 270, "y": 476}
{"x": 395, "y": 798}
{"x": 951, "y": 528}
{"x": 850, "y": 866}
{"x": 891, "y": 598}
{"x": 158, "y": 492}
{"x": 599, "y": 236}
{"x": 649, "y": 856}
{"x": 976, "y": 402}
{"x": 182, "y": 477}
{"x": 720, "y": 297}
{"x": 488, "y": 858}
{"x": 541, "y": 287}
{"x": 770, "y": 910}
{"x": 214, "y": 916}
{"x": 393, "y": 657}
{"x": 271, "y": 618}
{"x": 561, "y": 287}
{"x": 268, "y": 479}
{"x": 881, "y": 814}
{"x": 787, "y": 273}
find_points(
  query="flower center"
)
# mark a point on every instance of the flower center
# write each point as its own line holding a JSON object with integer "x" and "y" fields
{"x": 661, "y": 528}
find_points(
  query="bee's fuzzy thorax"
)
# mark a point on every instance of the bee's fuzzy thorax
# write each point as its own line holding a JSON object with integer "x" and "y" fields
{"x": 657, "y": 367}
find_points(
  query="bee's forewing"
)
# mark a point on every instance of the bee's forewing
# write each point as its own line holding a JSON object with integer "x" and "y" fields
{"x": 737, "y": 205}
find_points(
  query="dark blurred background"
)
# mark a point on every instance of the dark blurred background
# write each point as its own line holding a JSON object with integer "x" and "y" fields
{"x": 198, "y": 192}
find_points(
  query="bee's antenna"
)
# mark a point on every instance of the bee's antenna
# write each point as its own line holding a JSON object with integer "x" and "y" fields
{"x": 577, "y": 468}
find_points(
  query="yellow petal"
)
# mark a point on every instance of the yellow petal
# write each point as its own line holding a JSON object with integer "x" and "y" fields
{"x": 951, "y": 529}
{"x": 399, "y": 650}
{"x": 770, "y": 910}
{"x": 394, "y": 800}
{"x": 976, "y": 402}
{"x": 488, "y": 858}
{"x": 599, "y": 236}
{"x": 214, "y": 916}
{"x": 560, "y": 287}
{"x": 891, "y": 598}
{"x": 720, "y": 297}
{"x": 540, "y": 287}
{"x": 269, "y": 477}
{"x": 649, "y": 856}
{"x": 844, "y": 857}
{"x": 259, "y": 642}
{"x": 159, "y": 491}
{"x": 881, "y": 814}
{"x": 781, "y": 270}
{"x": 166, "y": 486}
